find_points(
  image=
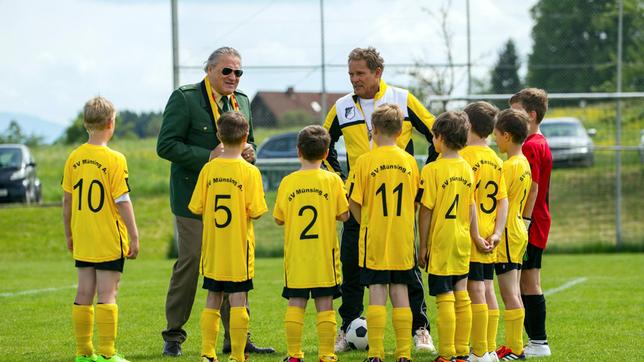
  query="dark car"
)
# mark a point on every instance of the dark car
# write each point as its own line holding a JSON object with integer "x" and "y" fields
{"x": 18, "y": 179}
{"x": 570, "y": 143}
{"x": 277, "y": 157}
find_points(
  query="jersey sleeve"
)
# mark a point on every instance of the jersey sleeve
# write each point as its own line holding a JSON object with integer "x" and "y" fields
{"x": 197, "y": 200}
{"x": 428, "y": 187}
{"x": 119, "y": 178}
{"x": 530, "y": 152}
{"x": 66, "y": 183}
{"x": 423, "y": 121}
{"x": 256, "y": 206}
{"x": 342, "y": 203}
{"x": 278, "y": 210}
{"x": 357, "y": 182}
{"x": 503, "y": 187}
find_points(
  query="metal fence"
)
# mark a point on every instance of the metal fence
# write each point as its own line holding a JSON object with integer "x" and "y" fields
{"x": 592, "y": 204}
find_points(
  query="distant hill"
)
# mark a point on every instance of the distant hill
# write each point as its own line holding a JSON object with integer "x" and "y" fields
{"x": 30, "y": 124}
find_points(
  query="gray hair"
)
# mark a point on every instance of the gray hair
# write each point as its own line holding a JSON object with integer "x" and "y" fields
{"x": 218, "y": 53}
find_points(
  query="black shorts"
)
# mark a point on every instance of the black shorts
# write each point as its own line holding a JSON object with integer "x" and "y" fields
{"x": 227, "y": 287}
{"x": 532, "y": 258}
{"x": 439, "y": 284}
{"x": 370, "y": 276}
{"x": 114, "y": 265}
{"x": 334, "y": 292}
{"x": 501, "y": 268}
{"x": 480, "y": 272}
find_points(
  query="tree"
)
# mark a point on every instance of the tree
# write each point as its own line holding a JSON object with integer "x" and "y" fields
{"x": 575, "y": 44}
{"x": 505, "y": 75}
{"x": 14, "y": 134}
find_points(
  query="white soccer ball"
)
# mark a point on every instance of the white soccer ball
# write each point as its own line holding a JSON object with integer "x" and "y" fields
{"x": 356, "y": 334}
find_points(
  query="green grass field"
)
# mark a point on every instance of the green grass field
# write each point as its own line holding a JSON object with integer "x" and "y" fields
{"x": 599, "y": 318}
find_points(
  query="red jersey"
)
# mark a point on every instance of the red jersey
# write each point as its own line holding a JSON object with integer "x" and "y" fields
{"x": 536, "y": 150}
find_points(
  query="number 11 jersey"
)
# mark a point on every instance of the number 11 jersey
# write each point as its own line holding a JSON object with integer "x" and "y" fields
{"x": 95, "y": 176}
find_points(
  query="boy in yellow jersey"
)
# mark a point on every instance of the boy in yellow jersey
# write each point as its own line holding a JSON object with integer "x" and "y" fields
{"x": 228, "y": 195}
{"x": 447, "y": 225}
{"x": 381, "y": 199}
{"x": 491, "y": 200}
{"x": 98, "y": 216}
{"x": 309, "y": 201}
{"x": 510, "y": 130}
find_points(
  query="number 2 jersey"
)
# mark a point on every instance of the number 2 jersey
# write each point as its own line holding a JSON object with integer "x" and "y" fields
{"x": 489, "y": 190}
{"x": 385, "y": 182}
{"x": 228, "y": 194}
{"x": 308, "y": 202}
{"x": 95, "y": 176}
{"x": 446, "y": 188}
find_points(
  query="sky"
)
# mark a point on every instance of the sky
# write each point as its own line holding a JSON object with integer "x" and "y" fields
{"x": 58, "y": 54}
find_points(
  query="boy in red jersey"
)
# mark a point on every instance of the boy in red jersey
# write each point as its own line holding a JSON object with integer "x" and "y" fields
{"x": 537, "y": 216}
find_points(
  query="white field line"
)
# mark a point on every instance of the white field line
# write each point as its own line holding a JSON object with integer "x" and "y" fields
{"x": 35, "y": 291}
{"x": 565, "y": 286}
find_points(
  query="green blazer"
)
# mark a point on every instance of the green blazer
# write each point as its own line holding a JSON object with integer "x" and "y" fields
{"x": 187, "y": 136}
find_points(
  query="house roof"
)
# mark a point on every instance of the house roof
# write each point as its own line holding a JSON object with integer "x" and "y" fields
{"x": 279, "y": 103}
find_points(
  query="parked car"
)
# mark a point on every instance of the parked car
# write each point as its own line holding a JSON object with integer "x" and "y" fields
{"x": 277, "y": 157}
{"x": 641, "y": 146}
{"x": 18, "y": 179}
{"x": 570, "y": 143}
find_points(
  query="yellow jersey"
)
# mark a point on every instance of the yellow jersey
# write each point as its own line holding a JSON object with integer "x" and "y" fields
{"x": 446, "y": 188}
{"x": 385, "y": 182}
{"x": 489, "y": 189}
{"x": 95, "y": 176}
{"x": 514, "y": 240}
{"x": 228, "y": 194}
{"x": 308, "y": 202}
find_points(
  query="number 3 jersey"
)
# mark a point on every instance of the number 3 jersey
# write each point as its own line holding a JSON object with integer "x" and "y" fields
{"x": 308, "y": 202}
{"x": 228, "y": 194}
{"x": 385, "y": 182}
{"x": 446, "y": 188}
{"x": 95, "y": 176}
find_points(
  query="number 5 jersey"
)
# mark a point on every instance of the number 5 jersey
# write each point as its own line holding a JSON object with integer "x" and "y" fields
{"x": 95, "y": 176}
{"x": 228, "y": 194}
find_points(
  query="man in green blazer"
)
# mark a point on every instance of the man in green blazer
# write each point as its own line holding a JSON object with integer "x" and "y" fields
{"x": 188, "y": 140}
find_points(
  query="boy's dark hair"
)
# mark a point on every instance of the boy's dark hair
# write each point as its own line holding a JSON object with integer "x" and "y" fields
{"x": 532, "y": 99}
{"x": 231, "y": 128}
{"x": 313, "y": 142}
{"x": 387, "y": 119}
{"x": 452, "y": 127}
{"x": 96, "y": 112}
{"x": 515, "y": 122}
{"x": 481, "y": 115}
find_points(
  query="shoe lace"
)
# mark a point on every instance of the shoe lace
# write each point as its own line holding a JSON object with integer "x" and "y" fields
{"x": 341, "y": 338}
{"x": 422, "y": 335}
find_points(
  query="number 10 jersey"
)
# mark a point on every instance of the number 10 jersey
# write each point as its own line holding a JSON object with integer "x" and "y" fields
{"x": 95, "y": 176}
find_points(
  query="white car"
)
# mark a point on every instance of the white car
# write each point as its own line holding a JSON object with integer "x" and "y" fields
{"x": 570, "y": 143}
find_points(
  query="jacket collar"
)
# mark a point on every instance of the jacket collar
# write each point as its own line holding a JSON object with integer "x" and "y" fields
{"x": 381, "y": 92}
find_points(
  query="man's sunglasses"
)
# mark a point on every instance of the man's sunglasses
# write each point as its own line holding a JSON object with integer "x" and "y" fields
{"x": 238, "y": 72}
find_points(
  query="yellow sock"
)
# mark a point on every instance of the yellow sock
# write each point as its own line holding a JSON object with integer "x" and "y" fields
{"x": 401, "y": 318}
{"x": 107, "y": 316}
{"x": 463, "y": 311}
{"x": 446, "y": 322}
{"x": 513, "y": 319}
{"x": 492, "y": 328}
{"x": 209, "y": 324}
{"x": 83, "y": 319}
{"x": 376, "y": 321}
{"x": 479, "y": 329}
{"x": 293, "y": 322}
{"x": 238, "y": 332}
{"x": 326, "y": 325}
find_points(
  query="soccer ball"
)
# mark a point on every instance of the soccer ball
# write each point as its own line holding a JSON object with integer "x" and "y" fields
{"x": 357, "y": 334}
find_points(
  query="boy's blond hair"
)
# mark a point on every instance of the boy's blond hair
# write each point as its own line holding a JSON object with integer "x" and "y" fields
{"x": 452, "y": 127}
{"x": 313, "y": 142}
{"x": 232, "y": 127}
{"x": 481, "y": 115}
{"x": 532, "y": 99}
{"x": 388, "y": 119}
{"x": 515, "y": 122}
{"x": 97, "y": 112}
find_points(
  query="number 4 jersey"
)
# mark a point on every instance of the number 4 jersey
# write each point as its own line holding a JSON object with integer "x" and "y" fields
{"x": 308, "y": 202}
{"x": 95, "y": 176}
{"x": 385, "y": 182}
{"x": 228, "y": 194}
